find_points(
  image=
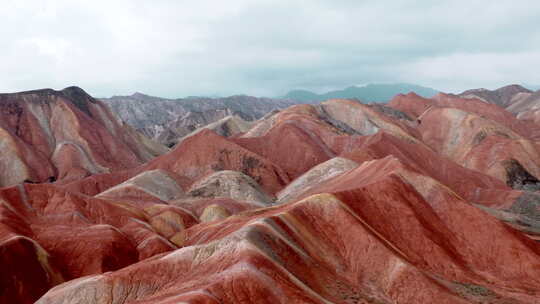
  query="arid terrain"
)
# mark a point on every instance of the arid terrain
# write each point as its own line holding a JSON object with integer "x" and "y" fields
{"x": 256, "y": 200}
{"x": 168, "y": 120}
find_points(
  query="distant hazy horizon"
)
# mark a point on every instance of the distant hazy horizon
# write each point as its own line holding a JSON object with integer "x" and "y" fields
{"x": 316, "y": 91}
{"x": 266, "y": 48}
{"x": 281, "y": 96}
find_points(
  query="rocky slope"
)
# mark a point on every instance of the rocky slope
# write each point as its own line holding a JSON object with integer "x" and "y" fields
{"x": 194, "y": 122}
{"x": 522, "y": 102}
{"x": 527, "y": 107}
{"x": 48, "y": 135}
{"x": 168, "y": 120}
{"x": 503, "y": 96}
{"x": 417, "y": 201}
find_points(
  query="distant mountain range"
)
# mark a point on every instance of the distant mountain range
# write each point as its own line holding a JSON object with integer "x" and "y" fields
{"x": 367, "y": 93}
{"x": 168, "y": 120}
{"x": 532, "y": 87}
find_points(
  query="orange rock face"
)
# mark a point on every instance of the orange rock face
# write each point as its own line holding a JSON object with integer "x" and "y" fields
{"x": 418, "y": 201}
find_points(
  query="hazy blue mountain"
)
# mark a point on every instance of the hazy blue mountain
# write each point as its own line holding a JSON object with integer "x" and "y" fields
{"x": 367, "y": 93}
{"x": 532, "y": 87}
{"x": 302, "y": 95}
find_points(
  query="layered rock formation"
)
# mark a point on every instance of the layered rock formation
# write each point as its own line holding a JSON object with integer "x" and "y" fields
{"x": 527, "y": 107}
{"x": 48, "y": 135}
{"x": 522, "y": 102}
{"x": 503, "y": 97}
{"x": 168, "y": 120}
{"x": 230, "y": 184}
{"x": 417, "y": 201}
{"x": 226, "y": 127}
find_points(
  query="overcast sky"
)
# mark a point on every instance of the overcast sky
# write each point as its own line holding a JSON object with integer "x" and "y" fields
{"x": 265, "y": 47}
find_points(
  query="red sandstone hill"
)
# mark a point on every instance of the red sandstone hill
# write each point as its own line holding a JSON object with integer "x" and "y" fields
{"x": 64, "y": 135}
{"x": 503, "y": 97}
{"x": 418, "y": 201}
{"x": 523, "y": 103}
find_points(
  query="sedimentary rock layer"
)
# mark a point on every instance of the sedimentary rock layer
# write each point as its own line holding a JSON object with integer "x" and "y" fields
{"x": 417, "y": 201}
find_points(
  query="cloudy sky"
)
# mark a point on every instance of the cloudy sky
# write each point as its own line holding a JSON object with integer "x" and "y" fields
{"x": 265, "y": 47}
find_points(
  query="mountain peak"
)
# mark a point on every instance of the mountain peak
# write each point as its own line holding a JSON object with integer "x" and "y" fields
{"x": 513, "y": 88}
{"x": 139, "y": 95}
{"x": 502, "y": 96}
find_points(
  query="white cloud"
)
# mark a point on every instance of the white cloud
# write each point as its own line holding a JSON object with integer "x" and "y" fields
{"x": 265, "y": 47}
{"x": 463, "y": 70}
